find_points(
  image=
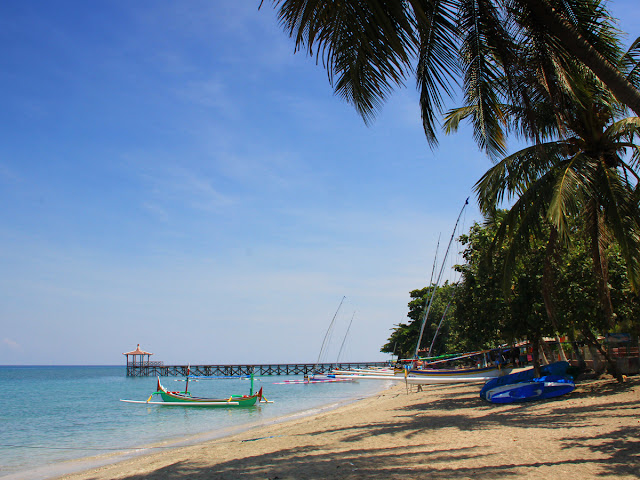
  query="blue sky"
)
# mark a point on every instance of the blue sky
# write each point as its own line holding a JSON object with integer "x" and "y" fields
{"x": 173, "y": 175}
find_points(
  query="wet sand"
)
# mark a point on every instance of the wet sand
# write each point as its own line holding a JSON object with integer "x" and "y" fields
{"x": 441, "y": 432}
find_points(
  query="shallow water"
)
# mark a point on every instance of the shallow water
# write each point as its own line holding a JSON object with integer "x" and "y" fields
{"x": 54, "y": 414}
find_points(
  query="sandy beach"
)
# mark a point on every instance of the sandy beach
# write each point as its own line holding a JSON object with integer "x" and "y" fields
{"x": 441, "y": 432}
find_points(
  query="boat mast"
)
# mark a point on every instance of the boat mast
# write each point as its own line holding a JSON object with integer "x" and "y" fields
{"x": 444, "y": 261}
{"x": 345, "y": 337}
{"x": 431, "y": 287}
{"x": 435, "y": 261}
{"x": 440, "y": 324}
{"x": 326, "y": 335}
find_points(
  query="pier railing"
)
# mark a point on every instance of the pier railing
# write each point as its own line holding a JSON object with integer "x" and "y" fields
{"x": 152, "y": 369}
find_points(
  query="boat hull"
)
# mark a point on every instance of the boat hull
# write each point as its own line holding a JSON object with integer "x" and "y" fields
{"x": 184, "y": 404}
{"x": 187, "y": 400}
{"x": 524, "y": 386}
{"x": 548, "y": 386}
{"x": 484, "y": 372}
{"x": 436, "y": 376}
{"x": 419, "y": 380}
{"x": 319, "y": 380}
{"x": 179, "y": 398}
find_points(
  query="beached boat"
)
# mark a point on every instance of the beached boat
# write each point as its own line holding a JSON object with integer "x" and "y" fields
{"x": 481, "y": 372}
{"x": 185, "y": 399}
{"x": 364, "y": 371}
{"x": 525, "y": 386}
{"x": 419, "y": 380}
{"x": 436, "y": 376}
{"x": 548, "y": 386}
{"x": 448, "y": 374}
{"x": 314, "y": 380}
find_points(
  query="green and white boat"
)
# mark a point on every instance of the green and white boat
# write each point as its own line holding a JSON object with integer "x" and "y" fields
{"x": 185, "y": 399}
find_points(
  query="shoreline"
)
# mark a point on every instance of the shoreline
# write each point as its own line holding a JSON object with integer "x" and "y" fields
{"x": 441, "y": 432}
{"x": 65, "y": 468}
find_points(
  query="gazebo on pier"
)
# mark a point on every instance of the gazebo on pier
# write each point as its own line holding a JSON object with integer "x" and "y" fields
{"x": 138, "y": 362}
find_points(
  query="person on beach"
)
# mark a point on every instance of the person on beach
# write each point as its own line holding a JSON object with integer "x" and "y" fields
{"x": 515, "y": 356}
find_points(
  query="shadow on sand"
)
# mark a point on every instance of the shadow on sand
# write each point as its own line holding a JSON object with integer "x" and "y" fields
{"x": 616, "y": 453}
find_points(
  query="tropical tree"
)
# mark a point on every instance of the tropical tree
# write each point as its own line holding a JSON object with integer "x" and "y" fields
{"x": 488, "y": 314}
{"x": 404, "y": 336}
{"x": 371, "y": 47}
{"x": 483, "y": 315}
{"x": 582, "y": 171}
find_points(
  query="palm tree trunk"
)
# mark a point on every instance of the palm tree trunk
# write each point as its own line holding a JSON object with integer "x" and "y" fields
{"x": 581, "y": 49}
{"x": 576, "y": 348}
{"x": 601, "y": 270}
{"x": 548, "y": 280}
{"x": 611, "y": 363}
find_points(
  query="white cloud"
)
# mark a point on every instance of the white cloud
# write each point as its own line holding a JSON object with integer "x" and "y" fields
{"x": 12, "y": 344}
{"x": 8, "y": 173}
{"x": 180, "y": 187}
{"x": 211, "y": 93}
{"x": 156, "y": 211}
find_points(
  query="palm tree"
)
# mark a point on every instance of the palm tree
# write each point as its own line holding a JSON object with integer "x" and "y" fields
{"x": 584, "y": 167}
{"x": 370, "y": 47}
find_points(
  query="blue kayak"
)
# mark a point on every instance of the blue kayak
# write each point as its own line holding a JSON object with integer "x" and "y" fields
{"x": 524, "y": 386}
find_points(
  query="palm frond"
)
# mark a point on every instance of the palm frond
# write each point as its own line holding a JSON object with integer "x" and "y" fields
{"x": 484, "y": 41}
{"x": 437, "y": 66}
{"x": 569, "y": 193}
{"x": 627, "y": 128}
{"x": 516, "y": 173}
{"x": 454, "y": 116}
{"x": 630, "y": 63}
{"x": 523, "y": 223}
{"x": 621, "y": 213}
{"x": 366, "y": 46}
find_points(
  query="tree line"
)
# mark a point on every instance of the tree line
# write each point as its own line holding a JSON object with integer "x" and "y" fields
{"x": 480, "y": 312}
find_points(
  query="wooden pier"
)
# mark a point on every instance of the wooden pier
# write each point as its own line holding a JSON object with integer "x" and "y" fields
{"x": 153, "y": 369}
{"x": 139, "y": 364}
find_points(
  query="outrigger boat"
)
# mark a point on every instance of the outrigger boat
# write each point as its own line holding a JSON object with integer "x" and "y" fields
{"x": 313, "y": 379}
{"x": 423, "y": 379}
{"x": 434, "y": 375}
{"x": 484, "y": 373}
{"x": 185, "y": 399}
{"x": 430, "y": 375}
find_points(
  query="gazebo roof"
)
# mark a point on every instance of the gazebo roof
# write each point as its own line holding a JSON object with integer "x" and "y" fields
{"x": 137, "y": 351}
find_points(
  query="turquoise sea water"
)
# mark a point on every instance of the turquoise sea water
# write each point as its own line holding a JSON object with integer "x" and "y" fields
{"x": 55, "y": 414}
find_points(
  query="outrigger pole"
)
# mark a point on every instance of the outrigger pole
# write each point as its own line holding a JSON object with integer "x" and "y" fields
{"x": 444, "y": 261}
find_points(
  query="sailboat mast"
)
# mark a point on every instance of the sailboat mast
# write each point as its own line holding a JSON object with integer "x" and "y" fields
{"x": 430, "y": 292}
{"x": 435, "y": 260}
{"x": 439, "y": 325}
{"x": 444, "y": 261}
{"x": 345, "y": 338}
{"x": 326, "y": 335}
